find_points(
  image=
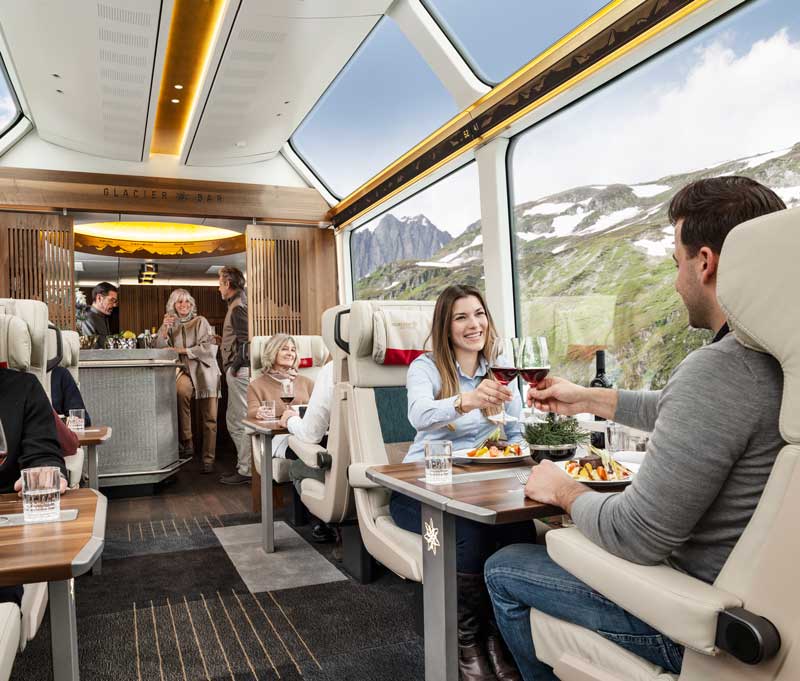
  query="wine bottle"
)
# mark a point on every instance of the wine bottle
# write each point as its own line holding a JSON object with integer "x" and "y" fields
{"x": 600, "y": 380}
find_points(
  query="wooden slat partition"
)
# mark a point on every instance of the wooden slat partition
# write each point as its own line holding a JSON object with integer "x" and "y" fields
{"x": 37, "y": 262}
{"x": 291, "y": 278}
{"x": 142, "y": 307}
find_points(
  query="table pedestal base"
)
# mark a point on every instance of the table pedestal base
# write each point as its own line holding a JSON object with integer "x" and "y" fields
{"x": 63, "y": 630}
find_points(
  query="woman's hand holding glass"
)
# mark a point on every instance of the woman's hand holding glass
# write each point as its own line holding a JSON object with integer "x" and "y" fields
{"x": 168, "y": 323}
{"x": 488, "y": 394}
{"x": 504, "y": 368}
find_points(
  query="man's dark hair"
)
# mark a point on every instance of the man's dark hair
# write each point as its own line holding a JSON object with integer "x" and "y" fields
{"x": 102, "y": 289}
{"x": 712, "y": 207}
{"x": 233, "y": 276}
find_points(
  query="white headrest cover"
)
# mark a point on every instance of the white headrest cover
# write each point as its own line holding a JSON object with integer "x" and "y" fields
{"x": 308, "y": 348}
{"x": 758, "y": 287}
{"x": 364, "y": 371}
{"x": 15, "y": 343}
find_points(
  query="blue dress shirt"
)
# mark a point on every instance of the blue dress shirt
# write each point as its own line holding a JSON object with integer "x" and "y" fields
{"x": 431, "y": 417}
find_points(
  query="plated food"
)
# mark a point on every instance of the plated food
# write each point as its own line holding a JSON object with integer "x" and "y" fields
{"x": 494, "y": 449}
{"x": 598, "y": 469}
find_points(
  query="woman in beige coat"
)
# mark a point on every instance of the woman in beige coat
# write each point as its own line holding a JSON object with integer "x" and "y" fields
{"x": 198, "y": 373}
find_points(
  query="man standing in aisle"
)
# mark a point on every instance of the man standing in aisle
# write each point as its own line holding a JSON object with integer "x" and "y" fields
{"x": 236, "y": 367}
{"x": 104, "y": 300}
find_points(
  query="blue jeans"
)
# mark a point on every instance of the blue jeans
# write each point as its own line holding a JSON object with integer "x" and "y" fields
{"x": 475, "y": 542}
{"x": 523, "y": 576}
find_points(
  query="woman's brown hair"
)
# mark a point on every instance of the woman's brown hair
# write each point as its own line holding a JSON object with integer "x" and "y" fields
{"x": 444, "y": 356}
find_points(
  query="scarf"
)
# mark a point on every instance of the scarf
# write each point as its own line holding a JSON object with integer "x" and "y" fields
{"x": 280, "y": 376}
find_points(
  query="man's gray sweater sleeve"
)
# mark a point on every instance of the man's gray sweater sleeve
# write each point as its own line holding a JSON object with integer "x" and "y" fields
{"x": 692, "y": 449}
{"x": 637, "y": 408}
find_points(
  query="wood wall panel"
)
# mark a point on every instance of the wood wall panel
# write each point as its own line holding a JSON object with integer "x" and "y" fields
{"x": 142, "y": 307}
{"x": 291, "y": 278}
{"x": 37, "y": 262}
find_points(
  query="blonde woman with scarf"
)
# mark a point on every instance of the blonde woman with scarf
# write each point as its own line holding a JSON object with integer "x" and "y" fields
{"x": 198, "y": 373}
{"x": 280, "y": 361}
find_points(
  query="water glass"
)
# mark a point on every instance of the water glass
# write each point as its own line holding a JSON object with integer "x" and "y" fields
{"x": 76, "y": 420}
{"x": 41, "y": 494}
{"x": 439, "y": 462}
{"x": 616, "y": 437}
{"x": 266, "y": 411}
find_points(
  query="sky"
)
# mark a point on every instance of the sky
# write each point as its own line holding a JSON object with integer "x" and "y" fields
{"x": 700, "y": 103}
{"x": 8, "y": 108}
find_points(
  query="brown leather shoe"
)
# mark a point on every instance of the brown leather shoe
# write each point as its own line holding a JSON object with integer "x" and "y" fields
{"x": 501, "y": 660}
{"x": 473, "y": 664}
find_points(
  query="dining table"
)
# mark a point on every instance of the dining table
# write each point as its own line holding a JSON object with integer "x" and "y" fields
{"x": 488, "y": 493}
{"x": 261, "y": 434}
{"x": 55, "y": 552}
{"x": 90, "y": 438}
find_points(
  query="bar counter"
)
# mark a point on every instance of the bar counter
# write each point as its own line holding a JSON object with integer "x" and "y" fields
{"x": 133, "y": 392}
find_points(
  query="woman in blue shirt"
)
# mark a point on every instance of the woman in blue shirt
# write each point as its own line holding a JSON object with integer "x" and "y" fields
{"x": 451, "y": 391}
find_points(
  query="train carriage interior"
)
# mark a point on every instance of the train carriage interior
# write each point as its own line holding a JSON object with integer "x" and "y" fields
{"x": 399, "y": 339}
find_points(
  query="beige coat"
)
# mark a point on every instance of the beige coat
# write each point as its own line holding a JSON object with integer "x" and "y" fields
{"x": 267, "y": 388}
{"x": 200, "y": 360}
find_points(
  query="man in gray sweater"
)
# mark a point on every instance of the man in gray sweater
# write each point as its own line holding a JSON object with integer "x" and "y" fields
{"x": 714, "y": 441}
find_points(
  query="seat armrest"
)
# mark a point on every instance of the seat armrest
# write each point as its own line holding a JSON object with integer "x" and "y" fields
{"x": 305, "y": 451}
{"x": 681, "y": 607}
{"x": 357, "y": 475}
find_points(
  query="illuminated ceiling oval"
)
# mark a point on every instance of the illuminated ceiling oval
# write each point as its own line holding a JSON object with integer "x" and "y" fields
{"x": 156, "y": 239}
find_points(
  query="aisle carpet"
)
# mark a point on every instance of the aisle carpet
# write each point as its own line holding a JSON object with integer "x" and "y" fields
{"x": 171, "y": 604}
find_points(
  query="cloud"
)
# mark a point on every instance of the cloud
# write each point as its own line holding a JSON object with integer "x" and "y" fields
{"x": 8, "y": 109}
{"x": 725, "y": 106}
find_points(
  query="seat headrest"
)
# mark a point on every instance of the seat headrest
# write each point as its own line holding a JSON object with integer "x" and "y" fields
{"x": 70, "y": 350}
{"x": 338, "y": 355}
{"x": 15, "y": 343}
{"x": 311, "y": 350}
{"x": 34, "y": 314}
{"x": 398, "y": 328}
{"x": 758, "y": 287}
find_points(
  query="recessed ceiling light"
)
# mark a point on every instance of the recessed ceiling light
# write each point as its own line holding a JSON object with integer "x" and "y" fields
{"x": 286, "y": 102}
{"x": 240, "y": 144}
{"x": 61, "y": 92}
{"x": 277, "y": 114}
{"x": 55, "y": 75}
{"x": 178, "y": 87}
{"x": 175, "y": 101}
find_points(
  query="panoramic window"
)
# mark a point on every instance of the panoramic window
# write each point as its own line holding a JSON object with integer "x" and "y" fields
{"x": 9, "y": 109}
{"x": 420, "y": 246}
{"x": 497, "y": 38}
{"x": 381, "y": 104}
{"x": 593, "y": 241}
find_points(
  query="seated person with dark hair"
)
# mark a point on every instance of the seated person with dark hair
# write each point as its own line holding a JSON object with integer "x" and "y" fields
{"x": 65, "y": 394}
{"x": 30, "y": 431}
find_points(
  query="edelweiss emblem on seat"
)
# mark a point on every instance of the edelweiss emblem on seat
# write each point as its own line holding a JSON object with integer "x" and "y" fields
{"x": 431, "y": 536}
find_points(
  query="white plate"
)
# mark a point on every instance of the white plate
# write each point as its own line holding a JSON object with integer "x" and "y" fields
{"x": 502, "y": 418}
{"x": 460, "y": 455}
{"x": 598, "y": 484}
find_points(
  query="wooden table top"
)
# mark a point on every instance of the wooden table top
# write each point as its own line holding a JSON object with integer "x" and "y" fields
{"x": 44, "y": 552}
{"x": 493, "y": 501}
{"x": 96, "y": 435}
{"x": 272, "y": 427}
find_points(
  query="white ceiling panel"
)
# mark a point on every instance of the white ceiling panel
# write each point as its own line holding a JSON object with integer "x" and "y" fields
{"x": 279, "y": 58}
{"x": 100, "y": 56}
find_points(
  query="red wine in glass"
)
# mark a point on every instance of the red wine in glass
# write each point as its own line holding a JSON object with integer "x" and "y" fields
{"x": 504, "y": 375}
{"x": 534, "y": 375}
{"x": 286, "y": 399}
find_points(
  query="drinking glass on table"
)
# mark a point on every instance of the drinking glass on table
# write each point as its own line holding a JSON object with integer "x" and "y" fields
{"x": 266, "y": 410}
{"x": 41, "y": 494}
{"x": 76, "y": 421}
{"x": 504, "y": 369}
{"x": 616, "y": 437}
{"x": 439, "y": 462}
{"x": 287, "y": 392}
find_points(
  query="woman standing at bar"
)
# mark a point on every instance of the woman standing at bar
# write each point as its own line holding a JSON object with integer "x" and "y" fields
{"x": 451, "y": 391}
{"x": 198, "y": 373}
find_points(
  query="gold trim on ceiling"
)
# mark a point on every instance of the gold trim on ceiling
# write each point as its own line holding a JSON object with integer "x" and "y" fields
{"x": 520, "y": 94}
{"x": 192, "y": 34}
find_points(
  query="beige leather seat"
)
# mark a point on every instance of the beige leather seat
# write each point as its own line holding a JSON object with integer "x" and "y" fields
{"x": 18, "y": 342}
{"x": 331, "y": 501}
{"x": 9, "y": 638}
{"x": 759, "y": 289}
{"x": 378, "y": 427}
{"x": 308, "y": 348}
{"x": 70, "y": 357}
{"x": 34, "y": 314}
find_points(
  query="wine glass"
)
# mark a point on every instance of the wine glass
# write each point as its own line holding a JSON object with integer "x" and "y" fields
{"x": 533, "y": 360}
{"x": 287, "y": 392}
{"x": 3, "y": 445}
{"x": 504, "y": 369}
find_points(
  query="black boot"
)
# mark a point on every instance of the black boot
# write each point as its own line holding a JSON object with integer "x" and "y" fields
{"x": 499, "y": 656}
{"x": 473, "y": 665}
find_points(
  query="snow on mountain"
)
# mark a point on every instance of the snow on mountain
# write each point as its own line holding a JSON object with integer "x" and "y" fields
{"x": 754, "y": 161}
{"x": 612, "y": 219}
{"x": 656, "y": 248}
{"x": 548, "y": 208}
{"x": 645, "y": 191}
